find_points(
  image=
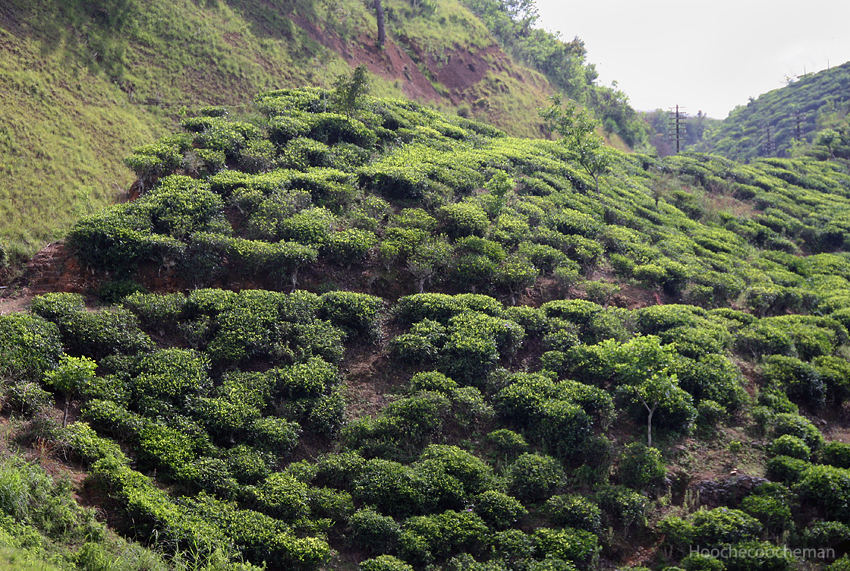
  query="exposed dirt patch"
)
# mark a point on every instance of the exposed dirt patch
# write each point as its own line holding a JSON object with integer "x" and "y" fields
{"x": 53, "y": 269}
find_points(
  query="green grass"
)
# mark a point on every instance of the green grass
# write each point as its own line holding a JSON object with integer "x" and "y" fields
{"x": 15, "y": 559}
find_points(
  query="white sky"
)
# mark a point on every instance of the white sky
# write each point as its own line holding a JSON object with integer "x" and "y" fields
{"x": 704, "y": 56}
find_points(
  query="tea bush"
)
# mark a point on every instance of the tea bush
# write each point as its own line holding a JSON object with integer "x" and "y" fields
{"x": 800, "y": 380}
{"x": 575, "y": 545}
{"x": 472, "y": 473}
{"x": 826, "y": 488}
{"x": 641, "y": 467}
{"x": 574, "y": 511}
{"x": 280, "y": 496}
{"x": 498, "y": 510}
{"x": 791, "y": 446}
{"x": 373, "y": 532}
{"x": 444, "y": 533}
{"x": 796, "y": 425}
{"x": 836, "y": 454}
{"x": 532, "y": 477}
{"x": 385, "y": 563}
{"x": 30, "y": 346}
{"x": 356, "y": 312}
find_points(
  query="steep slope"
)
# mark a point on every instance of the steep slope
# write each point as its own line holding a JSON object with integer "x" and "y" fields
{"x": 772, "y": 123}
{"x": 496, "y": 420}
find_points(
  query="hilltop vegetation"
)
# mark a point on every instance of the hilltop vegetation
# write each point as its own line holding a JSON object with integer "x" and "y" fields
{"x": 83, "y": 82}
{"x": 785, "y": 122}
{"x": 353, "y": 332}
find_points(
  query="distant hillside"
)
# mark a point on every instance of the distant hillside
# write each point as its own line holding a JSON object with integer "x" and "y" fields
{"x": 84, "y": 81}
{"x": 769, "y": 125}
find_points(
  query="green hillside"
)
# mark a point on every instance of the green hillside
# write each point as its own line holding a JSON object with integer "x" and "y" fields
{"x": 82, "y": 82}
{"x": 350, "y": 332}
{"x": 786, "y": 118}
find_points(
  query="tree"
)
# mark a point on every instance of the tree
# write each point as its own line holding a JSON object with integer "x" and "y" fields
{"x": 578, "y": 131}
{"x": 428, "y": 259}
{"x": 379, "y": 13}
{"x": 350, "y": 91}
{"x": 499, "y": 185}
{"x": 651, "y": 393}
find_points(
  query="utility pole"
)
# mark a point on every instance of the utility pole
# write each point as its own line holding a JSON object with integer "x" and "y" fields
{"x": 769, "y": 145}
{"x": 676, "y": 121}
{"x": 798, "y": 121}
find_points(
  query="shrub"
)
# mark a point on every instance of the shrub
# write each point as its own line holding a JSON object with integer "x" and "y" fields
{"x": 800, "y": 380}
{"x": 498, "y": 510}
{"x": 796, "y": 425}
{"x": 623, "y": 506}
{"x": 825, "y": 534}
{"x": 312, "y": 227}
{"x": 155, "y": 310}
{"x": 791, "y": 446}
{"x": 328, "y": 413}
{"x": 447, "y": 532}
{"x": 576, "y": 545}
{"x": 89, "y": 447}
{"x": 248, "y": 465}
{"x": 532, "y": 477}
{"x": 389, "y": 486}
{"x": 574, "y": 511}
{"x": 385, "y": 563}
{"x": 432, "y": 381}
{"x": 507, "y": 442}
{"x": 641, "y": 467}
{"x": 834, "y": 372}
{"x": 172, "y": 373}
{"x": 30, "y": 346}
{"x": 828, "y": 489}
{"x": 355, "y": 312}
{"x": 276, "y": 435}
{"x": 709, "y": 414}
{"x": 373, "y": 532}
{"x": 348, "y": 247}
{"x": 473, "y": 473}
{"x": 773, "y": 512}
{"x": 836, "y": 454}
{"x": 338, "y": 470}
{"x": 700, "y": 562}
{"x": 280, "y": 496}
{"x": 463, "y": 219}
{"x": 760, "y": 556}
{"x": 723, "y": 525}
{"x": 786, "y": 469}
{"x": 712, "y": 377}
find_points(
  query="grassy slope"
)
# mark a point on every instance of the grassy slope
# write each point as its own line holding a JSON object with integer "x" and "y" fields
{"x": 81, "y": 83}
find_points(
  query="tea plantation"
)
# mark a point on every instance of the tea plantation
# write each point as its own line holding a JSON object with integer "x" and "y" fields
{"x": 378, "y": 337}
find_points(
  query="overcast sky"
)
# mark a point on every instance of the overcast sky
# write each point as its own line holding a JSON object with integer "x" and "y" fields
{"x": 705, "y": 56}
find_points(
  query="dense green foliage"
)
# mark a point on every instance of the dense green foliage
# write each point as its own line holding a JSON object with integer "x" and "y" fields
{"x": 479, "y": 352}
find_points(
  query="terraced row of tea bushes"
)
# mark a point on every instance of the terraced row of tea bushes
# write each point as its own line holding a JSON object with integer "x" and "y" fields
{"x": 409, "y": 203}
{"x": 235, "y": 380}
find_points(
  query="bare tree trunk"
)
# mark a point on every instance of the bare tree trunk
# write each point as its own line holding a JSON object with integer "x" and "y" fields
{"x": 382, "y": 35}
{"x": 649, "y": 428}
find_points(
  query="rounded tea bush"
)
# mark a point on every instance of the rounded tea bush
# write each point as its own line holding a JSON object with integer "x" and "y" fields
{"x": 498, "y": 510}
{"x": 532, "y": 477}
{"x": 792, "y": 446}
